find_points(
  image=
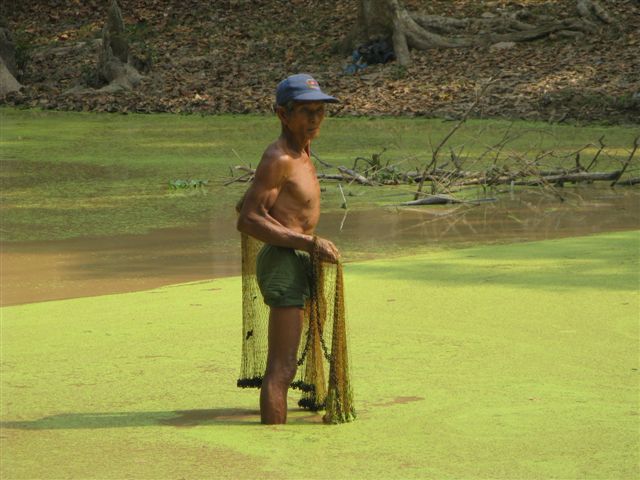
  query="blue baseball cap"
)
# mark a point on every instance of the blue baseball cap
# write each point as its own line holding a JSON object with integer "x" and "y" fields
{"x": 301, "y": 88}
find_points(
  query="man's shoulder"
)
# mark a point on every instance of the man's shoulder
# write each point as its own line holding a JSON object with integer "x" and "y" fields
{"x": 275, "y": 165}
{"x": 276, "y": 156}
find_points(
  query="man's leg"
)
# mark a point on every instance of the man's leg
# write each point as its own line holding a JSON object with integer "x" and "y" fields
{"x": 285, "y": 328}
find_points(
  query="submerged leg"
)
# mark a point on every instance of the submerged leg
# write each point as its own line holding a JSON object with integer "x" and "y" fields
{"x": 285, "y": 328}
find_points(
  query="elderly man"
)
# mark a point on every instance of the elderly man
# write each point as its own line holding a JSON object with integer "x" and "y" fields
{"x": 282, "y": 208}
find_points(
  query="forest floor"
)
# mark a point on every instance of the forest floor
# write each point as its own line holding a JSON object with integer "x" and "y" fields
{"x": 227, "y": 57}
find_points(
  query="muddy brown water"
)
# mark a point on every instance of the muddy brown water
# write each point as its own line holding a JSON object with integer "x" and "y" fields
{"x": 49, "y": 270}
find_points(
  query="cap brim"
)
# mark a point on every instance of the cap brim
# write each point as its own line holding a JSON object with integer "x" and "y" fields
{"x": 315, "y": 97}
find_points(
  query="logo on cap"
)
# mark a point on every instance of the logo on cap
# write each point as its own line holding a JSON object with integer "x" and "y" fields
{"x": 311, "y": 83}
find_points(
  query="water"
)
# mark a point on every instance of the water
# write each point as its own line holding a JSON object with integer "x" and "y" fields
{"x": 48, "y": 270}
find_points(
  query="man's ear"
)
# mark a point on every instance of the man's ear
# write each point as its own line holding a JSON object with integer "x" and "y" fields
{"x": 282, "y": 114}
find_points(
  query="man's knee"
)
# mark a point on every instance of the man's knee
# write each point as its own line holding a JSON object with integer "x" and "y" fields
{"x": 282, "y": 374}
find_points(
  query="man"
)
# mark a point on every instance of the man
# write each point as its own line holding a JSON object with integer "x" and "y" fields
{"x": 282, "y": 208}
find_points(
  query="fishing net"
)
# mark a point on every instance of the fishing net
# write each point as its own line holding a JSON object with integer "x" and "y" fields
{"x": 323, "y": 373}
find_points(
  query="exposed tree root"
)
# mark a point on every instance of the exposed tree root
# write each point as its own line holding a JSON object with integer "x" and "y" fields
{"x": 113, "y": 65}
{"x": 421, "y": 31}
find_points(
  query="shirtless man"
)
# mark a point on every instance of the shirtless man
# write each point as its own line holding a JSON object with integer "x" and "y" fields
{"x": 282, "y": 208}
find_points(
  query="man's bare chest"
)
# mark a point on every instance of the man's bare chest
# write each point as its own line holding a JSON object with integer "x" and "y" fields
{"x": 302, "y": 186}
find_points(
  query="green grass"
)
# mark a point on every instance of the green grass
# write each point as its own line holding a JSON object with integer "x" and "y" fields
{"x": 81, "y": 174}
{"x": 514, "y": 361}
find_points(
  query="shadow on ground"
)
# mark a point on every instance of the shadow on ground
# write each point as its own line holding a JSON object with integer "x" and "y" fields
{"x": 175, "y": 418}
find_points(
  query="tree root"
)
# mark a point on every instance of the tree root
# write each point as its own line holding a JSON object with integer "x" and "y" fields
{"x": 421, "y": 31}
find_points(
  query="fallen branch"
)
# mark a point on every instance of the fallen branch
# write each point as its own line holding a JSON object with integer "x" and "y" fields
{"x": 571, "y": 177}
{"x": 633, "y": 152}
{"x": 245, "y": 177}
{"x": 630, "y": 181}
{"x": 595, "y": 157}
{"x": 434, "y": 156}
{"x": 245, "y": 169}
{"x": 444, "y": 200}
{"x": 344, "y": 204}
{"x": 332, "y": 176}
{"x": 468, "y": 178}
{"x": 242, "y": 178}
{"x": 542, "y": 180}
{"x": 322, "y": 162}
{"x": 448, "y": 178}
{"x": 356, "y": 176}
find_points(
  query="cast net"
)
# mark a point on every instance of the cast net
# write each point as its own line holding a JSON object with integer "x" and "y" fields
{"x": 323, "y": 365}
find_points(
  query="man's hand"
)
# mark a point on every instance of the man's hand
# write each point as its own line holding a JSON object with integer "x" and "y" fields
{"x": 328, "y": 251}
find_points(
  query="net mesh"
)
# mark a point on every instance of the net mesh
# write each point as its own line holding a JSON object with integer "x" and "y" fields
{"x": 323, "y": 365}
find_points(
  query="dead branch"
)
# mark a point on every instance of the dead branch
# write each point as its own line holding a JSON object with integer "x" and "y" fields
{"x": 633, "y": 152}
{"x": 571, "y": 177}
{"x": 322, "y": 162}
{"x": 245, "y": 177}
{"x": 242, "y": 178}
{"x": 245, "y": 169}
{"x": 595, "y": 157}
{"x": 355, "y": 175}
{"x": 444, "y": 200}
{"x": 434, "y": 156}
{"x": 516, "y": 169}
{"x": 629, "y": 181}
{"x": 332, "y": 176}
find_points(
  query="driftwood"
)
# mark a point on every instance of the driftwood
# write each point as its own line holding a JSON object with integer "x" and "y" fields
{"x": 516, "y": 171}
{"x": 517, "y": 179}
{"x": 333, "y": 176}
{"x": 466, "y": 178}
{"x": 630, "y": 181}
{"x": 444, "y": 200}
{"x": 245, "y": 177}
{"x": 346, "y": 175}
{"x": 636, "y": 143}
{"x": 434, "y": 156}
{"x": 355, "y": 175}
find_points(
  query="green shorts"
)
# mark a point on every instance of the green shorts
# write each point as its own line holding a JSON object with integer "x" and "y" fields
{"x": 284, "y": 276}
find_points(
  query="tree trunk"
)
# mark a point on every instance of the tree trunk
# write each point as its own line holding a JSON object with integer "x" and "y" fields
{"x": 113, "y": 64}
{"x": 375, "y": 19}
{"x": 8, "y": 82}
{"x": 8, "y": 68}
{"x": 390, "y": 19}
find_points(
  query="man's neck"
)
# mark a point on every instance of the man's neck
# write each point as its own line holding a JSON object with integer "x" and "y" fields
{"x": 298, "y": 145}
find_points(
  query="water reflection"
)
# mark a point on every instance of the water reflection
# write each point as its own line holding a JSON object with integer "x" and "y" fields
{"x": 523, "y": 217}
{"x": 37, "y": 271}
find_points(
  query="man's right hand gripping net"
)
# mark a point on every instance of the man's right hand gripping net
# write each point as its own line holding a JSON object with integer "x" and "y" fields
{"x": 324, "y": 327}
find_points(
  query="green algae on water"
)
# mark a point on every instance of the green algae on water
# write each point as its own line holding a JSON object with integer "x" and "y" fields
{"x": 68, "y": 174}
{"x": 501, "y": 361}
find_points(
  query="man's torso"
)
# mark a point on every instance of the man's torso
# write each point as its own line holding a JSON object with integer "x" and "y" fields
{"x": 298, "y": 204}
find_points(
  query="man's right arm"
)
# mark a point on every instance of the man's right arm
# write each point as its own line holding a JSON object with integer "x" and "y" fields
{"x": 254, "y": 218}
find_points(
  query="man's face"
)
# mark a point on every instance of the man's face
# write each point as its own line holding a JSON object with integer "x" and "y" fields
{"x": 305, "y": 119}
